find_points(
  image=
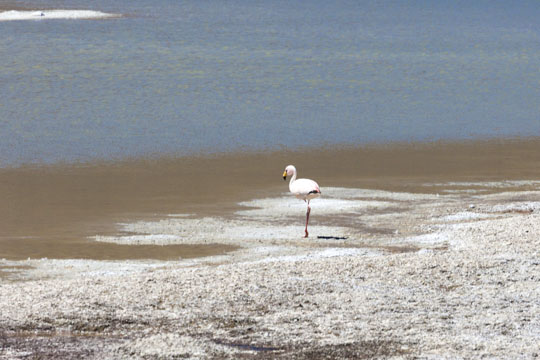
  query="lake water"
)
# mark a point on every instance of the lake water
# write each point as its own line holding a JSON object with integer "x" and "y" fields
{"x": 185, "y": 77}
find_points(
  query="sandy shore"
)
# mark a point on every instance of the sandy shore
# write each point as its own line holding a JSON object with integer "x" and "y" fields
{"x": 385, "y": 274}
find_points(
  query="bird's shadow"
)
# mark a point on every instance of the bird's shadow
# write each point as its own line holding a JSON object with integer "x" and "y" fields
{"x": 324, "y": 237}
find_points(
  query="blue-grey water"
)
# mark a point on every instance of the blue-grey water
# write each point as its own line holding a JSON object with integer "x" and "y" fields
{"x": 184, "y": 77}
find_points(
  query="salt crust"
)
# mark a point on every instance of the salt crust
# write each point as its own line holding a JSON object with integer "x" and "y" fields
{"x": 476, "y": 296}
{"x": 278, "y": 220}
{"x": 12, "y": 15}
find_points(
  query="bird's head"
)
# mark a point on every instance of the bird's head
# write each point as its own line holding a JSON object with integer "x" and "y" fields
{"x": 289, "y": 171}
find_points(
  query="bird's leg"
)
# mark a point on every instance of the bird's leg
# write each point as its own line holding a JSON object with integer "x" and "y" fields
{"x": 307, "y": 219}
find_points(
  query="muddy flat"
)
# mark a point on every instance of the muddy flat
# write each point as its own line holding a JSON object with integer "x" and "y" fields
{"x": 51, "y": 211}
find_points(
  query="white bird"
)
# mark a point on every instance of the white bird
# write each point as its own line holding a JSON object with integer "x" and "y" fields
{"x": 304, "y": 189}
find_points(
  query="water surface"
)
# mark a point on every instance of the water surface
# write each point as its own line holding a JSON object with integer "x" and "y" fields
{"x": 186, "y": 77}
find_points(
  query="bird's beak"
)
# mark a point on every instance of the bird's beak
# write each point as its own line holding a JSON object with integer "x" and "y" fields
{"x": 285, "y": 175}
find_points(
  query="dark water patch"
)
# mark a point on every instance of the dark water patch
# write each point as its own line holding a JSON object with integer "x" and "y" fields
{"x": 248, "y": 347}
{"x": 50, "y": 346}
{"x": 368, "y": 349}
{"x": 331, "y": 237}
{"x": 393, "y": 249}
{"x": 69, "y": 248}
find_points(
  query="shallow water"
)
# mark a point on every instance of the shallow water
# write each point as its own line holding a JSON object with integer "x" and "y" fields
{"x": 181, "y": 78}
{"x": 56, "y": 211}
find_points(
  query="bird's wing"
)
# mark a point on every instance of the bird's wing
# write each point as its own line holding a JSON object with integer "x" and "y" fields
{"x": 304, "y": 187}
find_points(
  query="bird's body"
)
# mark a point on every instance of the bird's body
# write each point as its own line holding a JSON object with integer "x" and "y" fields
{"x": 304, "y": 189}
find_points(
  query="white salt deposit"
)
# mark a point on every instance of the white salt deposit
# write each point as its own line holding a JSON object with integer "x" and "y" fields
{"x": 71, "y": 268}
{"x": 464, "y": 216}
{"x": 287, "y": 206}
{"x": 53, "y": 14}
{"x": 271, "y": 223}
{"x": 318, "y": 254}
{"x": 427, "y": 240}
{"x": 352, "y": 193}
{"x": 474, "y": 294}
{"x": 517, "y": 207}
{"x": 462, "y": 191}
{"x": 211, "y": 230}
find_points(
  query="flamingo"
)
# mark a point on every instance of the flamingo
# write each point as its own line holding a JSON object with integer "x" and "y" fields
{"x": 304, "y": 189}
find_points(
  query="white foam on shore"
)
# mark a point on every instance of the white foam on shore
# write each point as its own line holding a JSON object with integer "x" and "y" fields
{"x": 11, "y": 15}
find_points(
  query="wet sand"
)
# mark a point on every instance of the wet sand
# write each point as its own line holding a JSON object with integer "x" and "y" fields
{"x": 51, "y": 211}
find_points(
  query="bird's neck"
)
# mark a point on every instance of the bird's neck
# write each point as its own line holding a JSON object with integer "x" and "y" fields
{"x": 293, "y": 179}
